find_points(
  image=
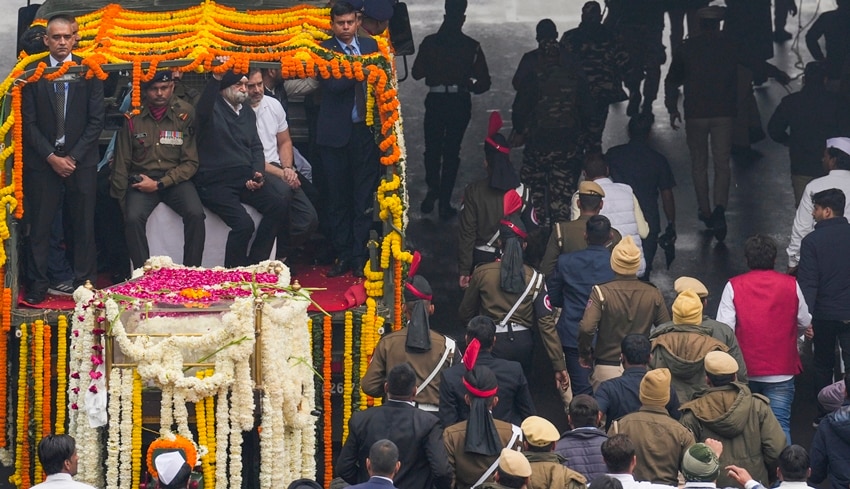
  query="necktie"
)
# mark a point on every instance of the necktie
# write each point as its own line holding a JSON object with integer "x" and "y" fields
{"x": 358, "y": 113}
{"x": 60, "y": 110}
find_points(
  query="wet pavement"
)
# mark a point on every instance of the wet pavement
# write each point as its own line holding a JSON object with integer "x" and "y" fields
{"x": 761, "y": 198}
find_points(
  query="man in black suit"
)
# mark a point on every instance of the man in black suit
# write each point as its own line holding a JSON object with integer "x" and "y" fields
{"x": 60, "y": 150}
{"x": 382, "y": 464}
{"x": 347, "y": 147}
{"x": 424, "y": 463}
{"x": 515, "y": 402}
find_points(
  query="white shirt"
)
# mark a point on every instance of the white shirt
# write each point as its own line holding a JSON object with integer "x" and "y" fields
{"x": 804, "y": 223}
{"x": 726, "y": 315}
{"x": 271, "y": 120}
{"x": 785, "y": 485}
{"x": 628, "y": 481}
{"x": 61, "y": 481}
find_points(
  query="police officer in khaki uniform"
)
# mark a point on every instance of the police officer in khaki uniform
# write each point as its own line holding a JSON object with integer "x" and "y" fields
{"x": 615, "y": 309}
{"x": 474, "y": 445}
{"x": 155, "y": 156}
{"x": 548, "y": 469}
{"x": 513, "y": 472}
{"x": 660, "y": 441}
{"x": 568, "y": 236}
{"x": 428, "y": 352}
{"x": 514, "y": 295}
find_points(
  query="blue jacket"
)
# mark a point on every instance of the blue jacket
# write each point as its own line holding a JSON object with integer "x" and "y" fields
{"x": 824, "y": 273}
{"x": 582, "y": 449}
{"x": 830, "y": 452}
{"x": 570, "y": 283}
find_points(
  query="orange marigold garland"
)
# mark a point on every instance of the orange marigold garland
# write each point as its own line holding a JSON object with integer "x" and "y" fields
{"x": 5, "y": 327}
{"x": 18, "y": 166}
{"x": 38, "y": 387}
{"x": 47, "y": 402}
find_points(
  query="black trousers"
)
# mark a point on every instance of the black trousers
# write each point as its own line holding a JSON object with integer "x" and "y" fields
{"x": 43, "y": 188}
{"x": 225, "y": 200}
{"x": 351, "y": 175}
{"x": 518, "y": 347}
{"x": 183, "y": 198}
{"x": 446, "y": 118}
{"x": 826, "y": 334}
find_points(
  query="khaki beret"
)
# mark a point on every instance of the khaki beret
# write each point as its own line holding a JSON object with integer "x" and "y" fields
{"x": 514, "y": 463}
{"x": 720, "y": 363}
{"x": 539, "y": 431}
{"x": 589, "y": 187}
{"x": 684, "y": 283}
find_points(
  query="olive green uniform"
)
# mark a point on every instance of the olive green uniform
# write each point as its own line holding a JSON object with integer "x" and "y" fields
{"x": 485, "y": 296}
{"x": 660, "y": 443}
{"x": 549, "y": 472}
{"x": 391, "y": 351}
{"x": 478, "y": 222}
{"x": 615, "y": 309}
{"x": 682, "y": 349}
{"x": 752, "y": 437}
{"x": 145, "y": 153}
{"x": 567, "y": 237}
{"x": 469, "y": 467}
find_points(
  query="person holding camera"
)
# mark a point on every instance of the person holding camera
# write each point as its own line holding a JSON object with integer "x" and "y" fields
{"x": 155, "y": 157}
{"x": 231, "y": 169}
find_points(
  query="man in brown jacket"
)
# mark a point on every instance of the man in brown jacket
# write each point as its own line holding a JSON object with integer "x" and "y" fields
{"x": 547, "y": 467}
{"x": 660, "y": 441}
{"x": 727, "y": 411}
{"x": 615, "y": 309}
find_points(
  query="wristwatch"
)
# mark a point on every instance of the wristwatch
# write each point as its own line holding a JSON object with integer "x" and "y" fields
{"x": 160, "y": 185}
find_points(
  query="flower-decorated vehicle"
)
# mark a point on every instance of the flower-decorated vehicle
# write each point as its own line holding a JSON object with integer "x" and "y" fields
{"x": 212, "y": 344}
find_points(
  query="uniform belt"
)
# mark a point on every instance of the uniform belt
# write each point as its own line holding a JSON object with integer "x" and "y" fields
{"x": 608, "y": 363}
{"x": 431, "y": 408}
{"x": 485, "y": 248}
{"x": 516, "y": 327}
{"x": 447, "y": 89}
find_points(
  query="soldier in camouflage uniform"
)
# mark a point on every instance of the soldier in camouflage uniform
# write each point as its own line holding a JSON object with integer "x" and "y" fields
{"x": 639, "y": 25}
{"x": 605, "y": 63}
{"x": 552, "y": 111}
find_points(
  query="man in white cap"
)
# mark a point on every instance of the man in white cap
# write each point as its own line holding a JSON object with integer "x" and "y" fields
{"x": 548, "y": 469}
{"x": 728, "y": 412}
{"x": 172, "y": 471}
{"x": 836, "y": 160}
{"x": 615, "y": 309}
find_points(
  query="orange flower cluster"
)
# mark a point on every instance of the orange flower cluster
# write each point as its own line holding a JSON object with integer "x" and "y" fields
{"x": 5, "y": 327}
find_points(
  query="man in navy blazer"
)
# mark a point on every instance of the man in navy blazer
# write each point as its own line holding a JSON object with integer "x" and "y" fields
{"x": 424, "y": 461}
{"x": 60, "y": 159}
{"x": 347, "y": 147}
{"x": 382, "y": 464}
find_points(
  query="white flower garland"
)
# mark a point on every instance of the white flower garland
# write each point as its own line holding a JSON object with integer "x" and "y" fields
{"x": 288, "y": 437}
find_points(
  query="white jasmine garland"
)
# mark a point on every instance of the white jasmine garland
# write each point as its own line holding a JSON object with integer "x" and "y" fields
{"x": 126, "y": 470}
{"x": 113, "y": 443}
{"x": 222, "y": 432}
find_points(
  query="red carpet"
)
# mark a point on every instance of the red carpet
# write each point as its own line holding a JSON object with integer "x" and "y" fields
{"x": 341, "y": 293}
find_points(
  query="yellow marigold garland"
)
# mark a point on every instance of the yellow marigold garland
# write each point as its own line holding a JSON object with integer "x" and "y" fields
{"x": 137, "y": 426}
{"x": 201, "y": 425}
{"x": 347, "y": 370}
{"x": 22, "y": 464}
{"x": 209, "y": 468}
{"x": 38, "y": 388}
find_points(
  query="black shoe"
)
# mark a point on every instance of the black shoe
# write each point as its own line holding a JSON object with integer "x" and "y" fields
{"x": 428, "y": 204}
{"x": 341, "y": 267}
{"x": 718, "y": 218}
{"x": 447, "y": 212}
{"x": 706, "y": 220}
{"x": 35, "y": 297}
{"x": 782, "y": 36}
